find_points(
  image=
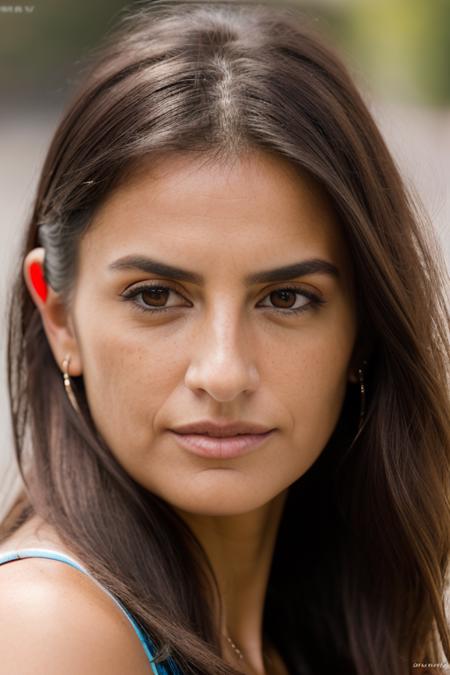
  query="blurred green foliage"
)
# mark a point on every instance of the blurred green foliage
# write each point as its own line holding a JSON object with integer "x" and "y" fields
{"x": 40, "y": 50}
{"x": 404, "y": 46}
{"x": 401, "y": 46}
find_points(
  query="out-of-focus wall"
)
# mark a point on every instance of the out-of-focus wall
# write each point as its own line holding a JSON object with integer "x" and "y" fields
{"x": 398, "y": 51}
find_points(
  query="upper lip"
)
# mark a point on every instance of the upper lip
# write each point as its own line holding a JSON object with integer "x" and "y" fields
{"x": 210, "y": 428}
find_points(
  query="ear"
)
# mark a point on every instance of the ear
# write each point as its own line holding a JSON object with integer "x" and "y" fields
{"x": 56, "y": 318}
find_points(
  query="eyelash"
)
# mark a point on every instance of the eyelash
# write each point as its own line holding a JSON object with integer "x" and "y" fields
{"x": 315, "y": 300}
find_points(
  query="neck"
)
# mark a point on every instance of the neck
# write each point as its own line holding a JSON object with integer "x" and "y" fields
{"x": 240, "y": 550}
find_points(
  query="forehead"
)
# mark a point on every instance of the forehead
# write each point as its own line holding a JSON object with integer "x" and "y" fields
{"x": 255, "y": 208}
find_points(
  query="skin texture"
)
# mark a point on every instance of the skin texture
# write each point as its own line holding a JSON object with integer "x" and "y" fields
{"x": 55, "y": 620}
{"x": 221, "y": 351}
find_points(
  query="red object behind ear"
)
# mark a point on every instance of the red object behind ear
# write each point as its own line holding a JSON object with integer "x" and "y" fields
{"x": 38, "y": 281}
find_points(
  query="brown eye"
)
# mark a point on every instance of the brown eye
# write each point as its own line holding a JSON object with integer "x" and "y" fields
{"x": 153, "y": 298}
{"x": 285, "y": 300}
{"x": 286, "y": 296}
{"x": 156, "y": 297}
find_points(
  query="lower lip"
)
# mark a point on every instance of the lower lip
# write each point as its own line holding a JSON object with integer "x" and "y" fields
{"x": 221, "y": 448}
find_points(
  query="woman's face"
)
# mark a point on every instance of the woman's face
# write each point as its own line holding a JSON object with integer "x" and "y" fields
{"x": 220, "y": 345}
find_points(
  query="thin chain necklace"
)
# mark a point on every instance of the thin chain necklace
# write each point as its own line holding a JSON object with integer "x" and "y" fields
{"x": 238, "y": 651}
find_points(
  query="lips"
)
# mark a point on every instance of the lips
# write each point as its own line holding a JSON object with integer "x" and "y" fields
{"x": 222, "y": 429}
{"x": 224, "y": 447}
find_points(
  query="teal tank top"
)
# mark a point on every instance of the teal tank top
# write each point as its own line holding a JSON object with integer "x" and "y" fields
{"x": 167, "y": 668}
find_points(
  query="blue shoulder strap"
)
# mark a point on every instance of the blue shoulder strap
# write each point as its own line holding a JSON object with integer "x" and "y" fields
{"x": 157, "y": 669}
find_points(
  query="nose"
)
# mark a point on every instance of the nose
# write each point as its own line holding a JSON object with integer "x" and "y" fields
{"x": 222, "y": 362}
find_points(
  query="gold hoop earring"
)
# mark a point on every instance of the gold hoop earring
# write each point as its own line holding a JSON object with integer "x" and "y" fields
{"x": 68, "y": 385}
{"x": 362, "y": 389}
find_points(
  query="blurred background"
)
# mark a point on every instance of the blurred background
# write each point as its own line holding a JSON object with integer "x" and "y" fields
{"x": 398, "y": 51}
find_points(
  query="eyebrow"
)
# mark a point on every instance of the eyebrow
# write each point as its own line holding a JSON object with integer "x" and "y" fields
{"x": 298, "y": 269}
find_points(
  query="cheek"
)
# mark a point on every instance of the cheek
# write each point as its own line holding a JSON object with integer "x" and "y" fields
{"x": 127, "y": 379}
{"x": 312, "y": 378}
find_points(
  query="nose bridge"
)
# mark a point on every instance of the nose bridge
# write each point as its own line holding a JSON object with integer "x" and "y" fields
{"x": 222, "y": 359}
{"x": 225, "y": 335}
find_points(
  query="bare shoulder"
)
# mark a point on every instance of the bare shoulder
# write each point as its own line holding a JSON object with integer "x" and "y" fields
{"x": 56, "y": 620}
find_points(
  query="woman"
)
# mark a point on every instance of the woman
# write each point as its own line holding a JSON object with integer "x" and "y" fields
{"x": 228, "y": 370}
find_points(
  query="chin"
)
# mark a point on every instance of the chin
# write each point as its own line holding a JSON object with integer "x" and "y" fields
{"x": 220, "y": 501}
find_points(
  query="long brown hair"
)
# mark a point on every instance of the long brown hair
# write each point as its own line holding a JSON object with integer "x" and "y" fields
{"x": 358, "y": 578}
